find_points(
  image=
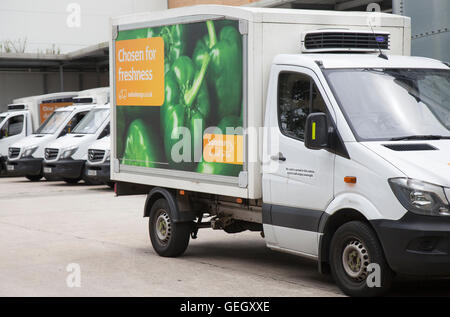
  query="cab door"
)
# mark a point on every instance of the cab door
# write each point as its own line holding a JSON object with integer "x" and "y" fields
{"x": 300, "y": 180}
{"x": 11, "y": 131}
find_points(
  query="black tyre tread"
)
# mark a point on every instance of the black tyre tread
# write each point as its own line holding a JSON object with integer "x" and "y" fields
{"x": 369, "y": 238}
{"x": 71, "y": 180}
{"x": 34, "y": 178}
{"x": 181, "y": 233}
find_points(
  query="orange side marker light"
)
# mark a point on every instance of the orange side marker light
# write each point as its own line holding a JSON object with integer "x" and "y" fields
{"x": 350, "y": 179}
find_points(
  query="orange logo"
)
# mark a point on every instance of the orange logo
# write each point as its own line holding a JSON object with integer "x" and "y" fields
{"x": 140, "y": 72}
{"x": 223, "y": 148}
{"x": 46, "y": 109}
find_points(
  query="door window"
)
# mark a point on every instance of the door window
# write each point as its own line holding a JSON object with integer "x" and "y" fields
{"x": 298, "y": 96}
{"x": 13, "y": 126}
{"x": 73, "y": 122}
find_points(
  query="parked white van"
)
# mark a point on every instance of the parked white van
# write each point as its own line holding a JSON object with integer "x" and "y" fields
{"x": 65, "y": 157}
{"x": 334, "y": 143}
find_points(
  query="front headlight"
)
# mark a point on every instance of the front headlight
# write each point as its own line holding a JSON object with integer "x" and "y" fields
{"x": 68, "y": 152}
{"x": 107, "y": 155}
{"x": 420, "y": 197}
{"x": 27, "y": 152}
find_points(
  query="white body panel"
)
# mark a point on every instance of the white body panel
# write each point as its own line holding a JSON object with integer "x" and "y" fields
{"x": 100, "y": 96}
{"x": 263, "y": 43}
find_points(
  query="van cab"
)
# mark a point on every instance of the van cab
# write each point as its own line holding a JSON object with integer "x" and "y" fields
{"x": 12, "y": 128}
{"x": 98, "y": 162}
{"x": 360, "y": 173}
{"x": 24, "y": 116}
{"x": 65, "y": 157}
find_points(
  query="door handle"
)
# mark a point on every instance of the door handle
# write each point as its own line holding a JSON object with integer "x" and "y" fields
{"x": 278, "y": 157}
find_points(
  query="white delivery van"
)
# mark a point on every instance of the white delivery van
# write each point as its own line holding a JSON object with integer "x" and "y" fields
{"x": 26, "y": 156}
{"x": 25, "y": 115}
{"x": 98, "y": 162}
{"x": 65, "y": 157}
{"x": 313, "y": 127}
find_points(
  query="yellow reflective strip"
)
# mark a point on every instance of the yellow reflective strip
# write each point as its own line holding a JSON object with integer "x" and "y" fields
{"x": 313, "y": 130}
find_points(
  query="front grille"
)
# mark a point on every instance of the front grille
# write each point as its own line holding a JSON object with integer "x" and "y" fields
{"x": 51, "y": 154}
{"x": 346, "y": 40}
{"x": 95, "y": 155}
{"x": 13, "y": 152}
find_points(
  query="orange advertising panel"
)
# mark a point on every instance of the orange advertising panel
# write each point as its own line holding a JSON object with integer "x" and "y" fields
{"x": 140, "y": 72}
{"x": 46, "y": 109}
{"x": 223, "y": 148}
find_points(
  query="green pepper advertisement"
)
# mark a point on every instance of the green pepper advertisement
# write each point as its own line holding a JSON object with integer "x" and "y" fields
{"x": 179, "y": 97}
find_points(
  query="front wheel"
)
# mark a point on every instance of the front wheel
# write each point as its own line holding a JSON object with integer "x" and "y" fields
{"x": 357, "y": 261}
{"x": 169, "y": 239}
{"x": 34, "y": 178}
{"x": 71, "y": 180}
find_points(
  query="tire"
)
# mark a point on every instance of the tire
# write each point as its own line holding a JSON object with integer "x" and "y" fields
{"x": 71, "y": 180}
{"x": 91, "y": 182}
{"x": 33, "y": 178}
{"x": 170, "y": 239}
{"x": 353, "y": 247}
{"x": 110, "y": 184}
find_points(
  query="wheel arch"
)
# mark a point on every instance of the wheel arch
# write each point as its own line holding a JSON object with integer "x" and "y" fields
{"x": 170, "y": 195}
{"x": 344, "y": 208}
{"x": 328, "y": 226}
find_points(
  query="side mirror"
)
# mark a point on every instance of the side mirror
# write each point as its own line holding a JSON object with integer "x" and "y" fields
{"x": 316, "y": 131}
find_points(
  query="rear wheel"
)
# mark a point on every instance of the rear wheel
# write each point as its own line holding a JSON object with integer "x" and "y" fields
{"x": 169, "y": 239}
{"x": 34, "y": 178}
{"x": 357, "y": 261}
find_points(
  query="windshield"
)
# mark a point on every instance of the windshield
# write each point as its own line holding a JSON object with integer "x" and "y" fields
{"x": 390, "y": 104}
{"x": 92, "y": 121}
{"x": 53, "y": 122}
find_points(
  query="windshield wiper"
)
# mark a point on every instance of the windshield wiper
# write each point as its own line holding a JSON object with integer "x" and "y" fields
{"x": 420, "y": 137}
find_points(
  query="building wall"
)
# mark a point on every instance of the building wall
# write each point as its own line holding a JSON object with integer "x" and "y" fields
{"x": 15, "y": 85}
{"x": 45, "y": 23}
{"x": 185, "y": 3}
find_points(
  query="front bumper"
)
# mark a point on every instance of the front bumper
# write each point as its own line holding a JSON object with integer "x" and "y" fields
{"x": 29, "y": 166}
{"x": 97, "y": 173}
{"x": 416, "y": 245}
{"x": 65, "y": 169}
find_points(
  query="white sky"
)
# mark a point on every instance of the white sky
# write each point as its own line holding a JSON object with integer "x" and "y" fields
{"x": 44, "y": 23}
